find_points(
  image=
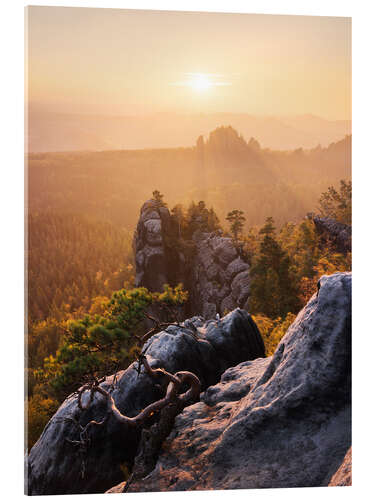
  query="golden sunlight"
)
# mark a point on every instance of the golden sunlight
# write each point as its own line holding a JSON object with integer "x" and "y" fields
{"x": 200, "y": 81}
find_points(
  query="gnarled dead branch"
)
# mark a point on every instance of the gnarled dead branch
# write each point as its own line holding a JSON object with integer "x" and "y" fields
{"x": 167, "y": 408}
{"x": 175, "y": 382}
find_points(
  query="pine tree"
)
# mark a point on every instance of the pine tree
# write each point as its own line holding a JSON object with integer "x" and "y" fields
{"x": 98, "y": 344}
{"x": 158, "y": 197}
{"x": 199, "y": 217}
{"x": 236, "y": 219}
{"x": 273, "y": 291}
{"x": 178, "y": 216}
{"x": 338, "y": 204}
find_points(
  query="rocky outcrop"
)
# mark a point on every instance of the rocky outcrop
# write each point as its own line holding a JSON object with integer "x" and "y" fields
{"x": 283, "y": 421}
{"x": 206, "y": 348}
{"x": 149, "y": 248}
{"x": 216, "y": 277}
{"x": 220, "y": 279}
{"x": 337, "y": 233}
{"x": 343, "y": 476}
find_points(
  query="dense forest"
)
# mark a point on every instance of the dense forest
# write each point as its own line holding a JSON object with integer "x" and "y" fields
{"x": 72, "y": 259}
{"x": 83, "y": 208}
{"x": 110, "y": 185}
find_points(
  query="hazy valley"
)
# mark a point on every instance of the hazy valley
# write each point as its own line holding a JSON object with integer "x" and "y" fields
{"x": 225, "y": 171}
{"x": 74, "y": 132}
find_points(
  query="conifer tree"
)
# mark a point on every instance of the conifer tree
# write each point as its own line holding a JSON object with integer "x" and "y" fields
{"x": 236, "y": 219}
{"x": 158, "y": 197}
{"x": 179, "y": 217}
{"x": 338, "y": 204}
{"x": 98, "y": 344}
{"x": 273, "y": 292}
{"x": 199, "y": 217}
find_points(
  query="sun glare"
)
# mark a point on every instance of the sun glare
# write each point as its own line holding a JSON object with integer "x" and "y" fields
{"x": 200, "y": 81}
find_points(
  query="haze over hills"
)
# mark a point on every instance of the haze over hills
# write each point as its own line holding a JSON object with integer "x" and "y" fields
{"x": 50, "y": 132}
{"x": 224, "y": 170}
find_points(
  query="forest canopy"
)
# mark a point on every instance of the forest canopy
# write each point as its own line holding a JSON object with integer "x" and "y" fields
{"x": 83, "y": 208}
{"x": 110, "y": 185}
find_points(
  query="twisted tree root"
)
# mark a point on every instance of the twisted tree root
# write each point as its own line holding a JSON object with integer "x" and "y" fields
{"x": 151, "y": 439}
{"x": 175, "y": 382}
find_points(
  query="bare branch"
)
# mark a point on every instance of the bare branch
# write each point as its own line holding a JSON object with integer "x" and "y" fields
{"x": 167, "y": 407}
{"x": 175, "y": 382}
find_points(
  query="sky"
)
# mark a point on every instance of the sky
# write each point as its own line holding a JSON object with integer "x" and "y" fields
{"x": 133, "y": 62}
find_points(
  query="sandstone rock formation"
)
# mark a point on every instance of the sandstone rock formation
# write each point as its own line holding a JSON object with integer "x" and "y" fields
{"x": 283, "y": 421}
{"x": 340, "y": 235}
{"x": 149, "y": 248}
{"x": 217, "y": 277}
{"x": 220, "y": 279}
{"x": 206, "y": 348}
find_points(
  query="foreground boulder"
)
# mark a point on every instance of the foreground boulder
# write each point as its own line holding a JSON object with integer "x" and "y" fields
{"x": 278, "y": 422}
{"x": 206, "y": 348}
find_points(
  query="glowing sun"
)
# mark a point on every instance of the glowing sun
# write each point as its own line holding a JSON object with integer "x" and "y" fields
{"x": 199, "y": 81}
{"x": 202, "y": 81}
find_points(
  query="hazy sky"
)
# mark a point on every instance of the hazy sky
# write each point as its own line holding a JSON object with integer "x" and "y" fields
{"x": 109, "y": 61}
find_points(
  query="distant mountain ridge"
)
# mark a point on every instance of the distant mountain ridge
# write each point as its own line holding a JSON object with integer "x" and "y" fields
{"x": 52, "y": 132}
{"x": 223, "y": 170}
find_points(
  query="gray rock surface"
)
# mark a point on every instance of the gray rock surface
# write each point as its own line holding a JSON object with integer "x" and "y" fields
{"x": 206, "y": 348}
{"x": 277, "y": 422}
{"x": 149, "y": 249}
{"x": 220, "y": 279}
{"x": 340, "y": 235}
